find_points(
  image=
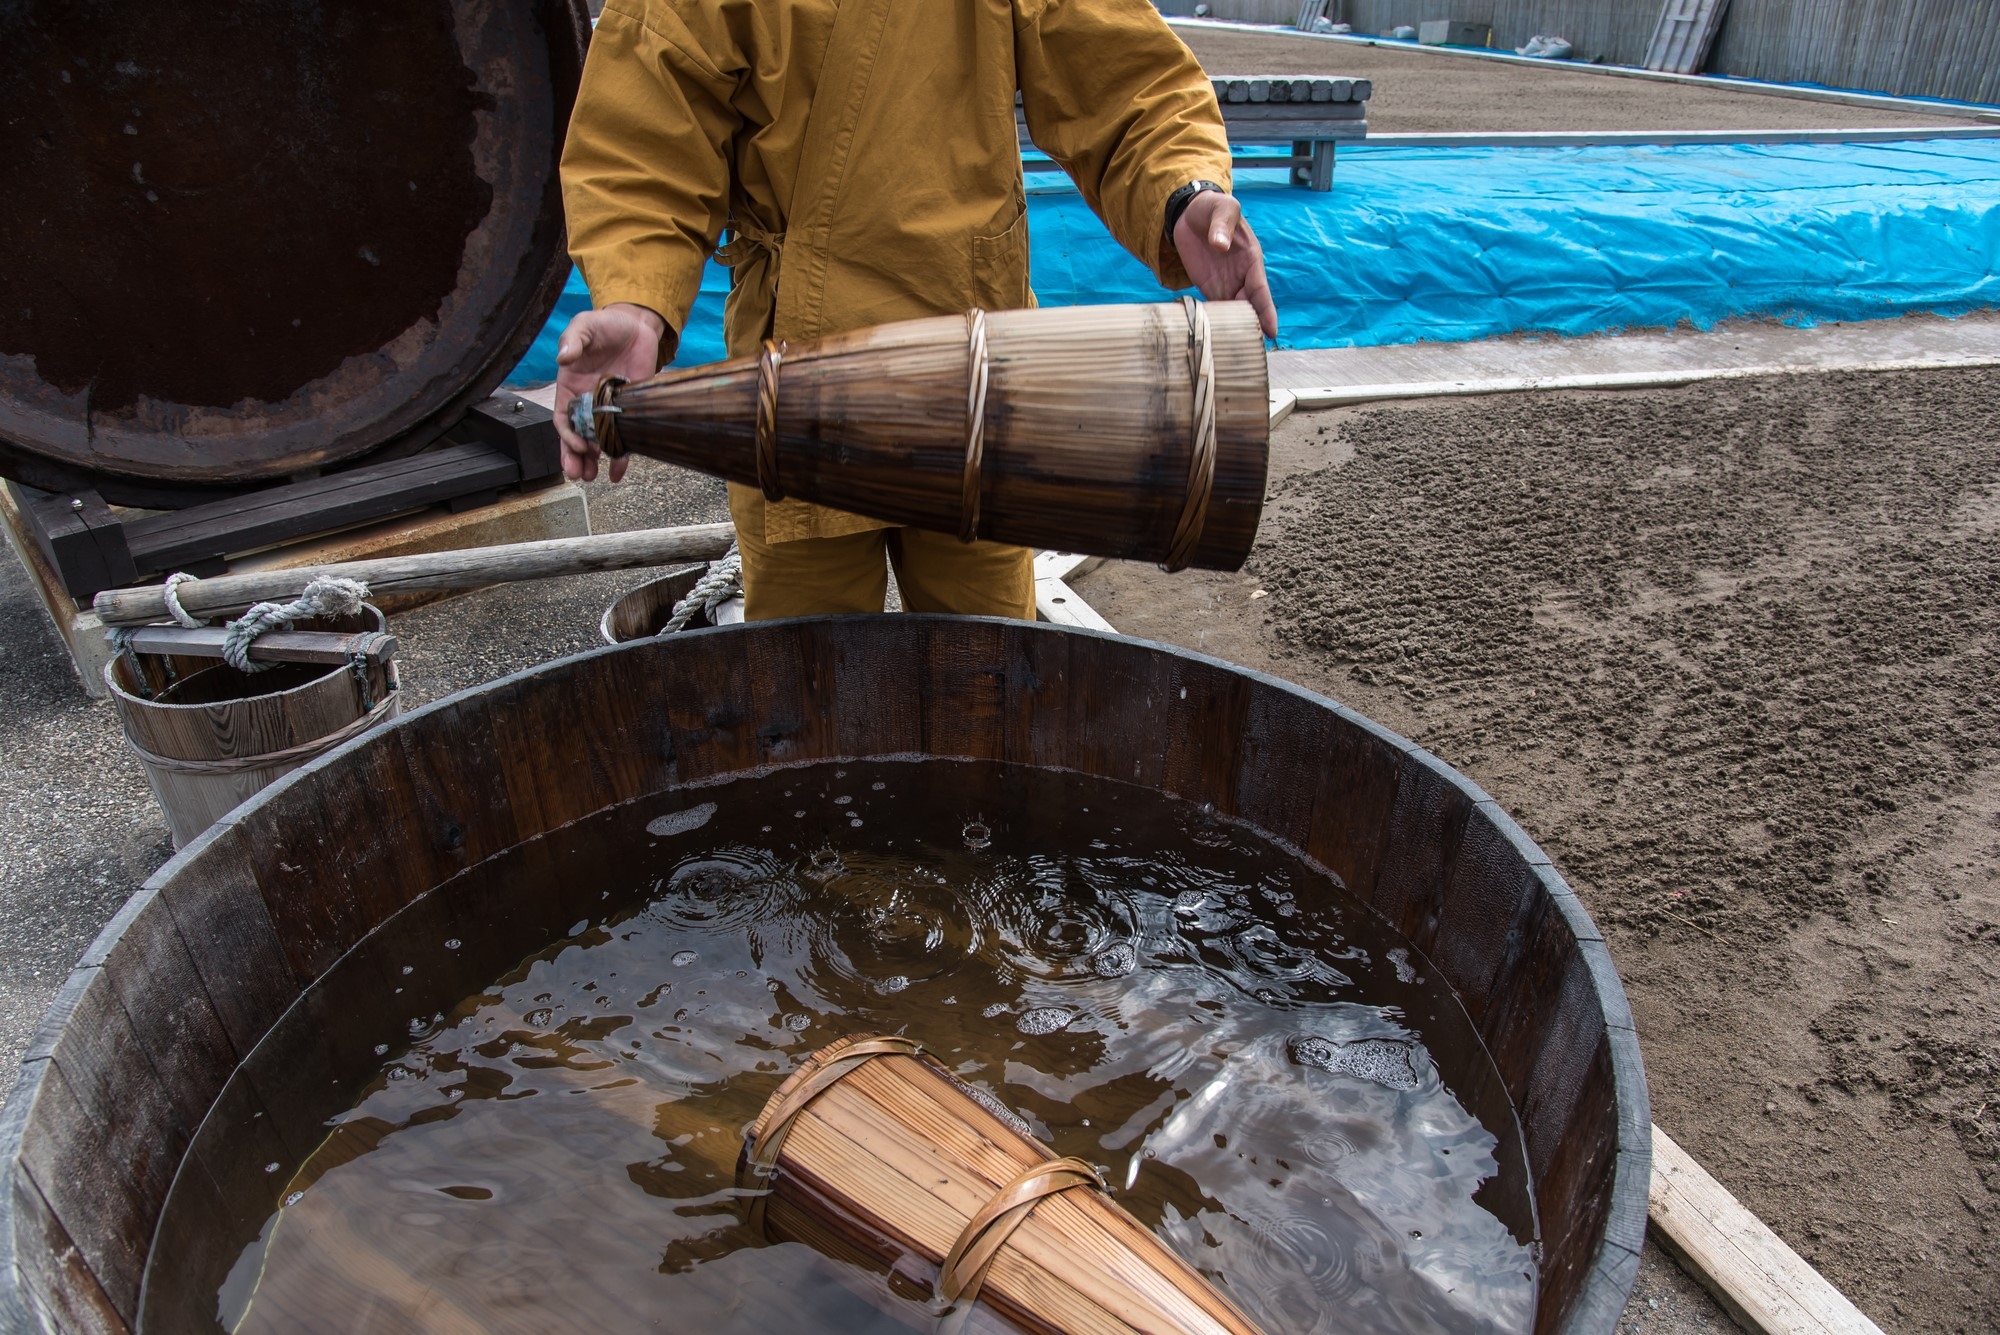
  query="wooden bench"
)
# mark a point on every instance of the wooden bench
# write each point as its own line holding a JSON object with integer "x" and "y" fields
{"x": 1311, "y": 115}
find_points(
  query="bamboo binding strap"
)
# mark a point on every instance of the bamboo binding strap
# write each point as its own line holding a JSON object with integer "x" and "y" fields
{"x": 964, "y": 1268}
{"x": 978, "y": 370}
{"x": 763, "y": 1154}
{"x": 1201, "y": 464}
{"x": 768, "y": 362}
{"x": 291, "y": 755}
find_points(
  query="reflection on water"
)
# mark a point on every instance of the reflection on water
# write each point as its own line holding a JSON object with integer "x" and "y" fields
{"x": 1253, "y": 1058}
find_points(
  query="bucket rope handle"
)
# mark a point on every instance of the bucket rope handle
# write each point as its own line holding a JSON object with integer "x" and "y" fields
{"x": 1201, "y": 463}
{"x": 978, "y": 371}
{"x": 768, "y": 362}
{"x": 764, "y": 1150}
{"x": 965, "y": 1265}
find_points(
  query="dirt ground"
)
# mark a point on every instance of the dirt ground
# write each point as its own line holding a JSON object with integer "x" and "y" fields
{"x": 1729, "y": 653}
{"x": 1431, "y": 92}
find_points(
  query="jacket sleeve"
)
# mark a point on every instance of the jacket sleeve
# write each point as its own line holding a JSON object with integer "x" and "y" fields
{"x": 645, "y": 169}
{"x": 1112, "y": 94}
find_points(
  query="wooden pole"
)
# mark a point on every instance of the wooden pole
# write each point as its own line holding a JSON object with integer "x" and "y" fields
{"x": 428, "y": 572}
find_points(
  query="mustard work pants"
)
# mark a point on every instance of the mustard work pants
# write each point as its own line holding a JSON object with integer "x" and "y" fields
{"x": 821, "y": 576}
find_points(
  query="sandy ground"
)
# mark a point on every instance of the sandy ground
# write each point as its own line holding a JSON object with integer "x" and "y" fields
{"x": 1426, "y": 91}
{"x": 1728, "y": 652}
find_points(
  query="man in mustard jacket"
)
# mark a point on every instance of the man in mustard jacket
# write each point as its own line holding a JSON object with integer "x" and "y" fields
{"x": 862, "y": 156}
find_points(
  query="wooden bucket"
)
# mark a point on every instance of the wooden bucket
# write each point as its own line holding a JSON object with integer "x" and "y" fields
{"x": 229, "y": 945}
{"x": 209, "y": 737}
{"x": 1137, "y": 432}
{"x": 643, "y": 611}
{"x": 873, "y": 1147}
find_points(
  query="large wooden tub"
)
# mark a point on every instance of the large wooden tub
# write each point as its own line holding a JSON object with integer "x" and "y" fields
{"x": 209, "y": 956}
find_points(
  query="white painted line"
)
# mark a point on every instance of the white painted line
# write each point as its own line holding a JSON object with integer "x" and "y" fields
{"x": 1679, "y": 138}
{"x": 1336, "y": 396}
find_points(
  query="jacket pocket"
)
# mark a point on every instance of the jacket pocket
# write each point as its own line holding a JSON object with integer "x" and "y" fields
{"x": 1000, "y": 267}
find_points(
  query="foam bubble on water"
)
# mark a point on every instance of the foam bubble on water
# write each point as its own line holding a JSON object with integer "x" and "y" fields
{"x": 680, "y": 822}
{"x": 539, "y": 1019}
{"x": 1115, "y": 960}
{"x": 1405, "y": 973}
{"x": 998, "y": 1008}
{"x": 1386, "y": 1061}
{"x": 452, "y": 943}
{"x": 978, "y": 834}
{"x": 683, "y": 958}
{"x": 1039, "y": 1020}
{"x": 798, "y": 1023}
{"x": 892, "y": 984}
{"x": 997, "y": 1108}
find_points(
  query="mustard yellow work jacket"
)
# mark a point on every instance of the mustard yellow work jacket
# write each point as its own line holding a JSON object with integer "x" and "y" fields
{"x": 863, "y": 157}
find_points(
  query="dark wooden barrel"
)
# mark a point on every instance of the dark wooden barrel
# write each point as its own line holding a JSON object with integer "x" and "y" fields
{"x": 250, "y": 240}
{"x": 218, "y": 946}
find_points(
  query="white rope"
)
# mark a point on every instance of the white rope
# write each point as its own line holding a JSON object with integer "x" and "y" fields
{"x": 324, "y": 595}
{"x": 723, "y": 581}
{"x": 173, "y": 600}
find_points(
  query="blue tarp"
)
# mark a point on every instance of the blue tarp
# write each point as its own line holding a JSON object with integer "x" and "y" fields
{"x": 1421, "y": 244}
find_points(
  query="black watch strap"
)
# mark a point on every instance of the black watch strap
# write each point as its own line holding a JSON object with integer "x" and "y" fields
{"x": 1177, "y": 202}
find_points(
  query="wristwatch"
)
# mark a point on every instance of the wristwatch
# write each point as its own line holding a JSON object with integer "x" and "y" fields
{"x": 1178, "y": 201}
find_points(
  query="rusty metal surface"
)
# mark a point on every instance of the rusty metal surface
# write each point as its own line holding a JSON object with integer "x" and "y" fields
{"x": 250, "y": 240}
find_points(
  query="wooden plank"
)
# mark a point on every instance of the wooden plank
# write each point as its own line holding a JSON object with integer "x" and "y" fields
{"x": 278, "y": 646}
{"x": 1057, "y": 603}
{"x": 1762, "y": 1282}
{"x": 520, "y": 427}
{"x": 1684, "y": 34}
{"x": 1064, "y": 565}
{"x": 79, "y": 536}
{"x": 1270, "y": 109}
{"x": 323, "y": 505}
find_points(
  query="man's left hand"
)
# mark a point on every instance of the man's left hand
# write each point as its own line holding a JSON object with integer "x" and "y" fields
{"x": 1222, "y": 255}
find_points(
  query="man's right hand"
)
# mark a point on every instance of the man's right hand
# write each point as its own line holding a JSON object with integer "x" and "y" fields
{"x": 622, "y": 340}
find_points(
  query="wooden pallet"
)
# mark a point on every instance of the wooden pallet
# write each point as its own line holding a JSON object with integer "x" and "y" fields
{"x": 1313, "y": 116}
{"x": 499, "y": 445}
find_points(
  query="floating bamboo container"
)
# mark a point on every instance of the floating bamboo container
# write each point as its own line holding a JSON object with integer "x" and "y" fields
{"x": 871, "y": 1148}
{"x": 1137, "y": 432}
{"x": 209, "y": 737}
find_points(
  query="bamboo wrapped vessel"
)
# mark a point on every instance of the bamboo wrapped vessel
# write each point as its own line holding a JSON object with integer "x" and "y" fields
{"x": 872, "y": 1150}
{"x": 1136, "y": 432}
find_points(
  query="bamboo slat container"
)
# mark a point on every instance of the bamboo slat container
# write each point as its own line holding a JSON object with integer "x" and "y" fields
{"x": 873, "y": 1148}
{"x": 209, "y": 737}
{"x": 1136, "y": 432}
